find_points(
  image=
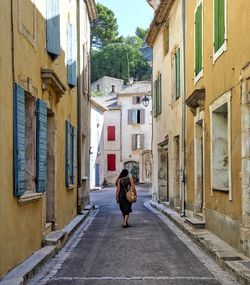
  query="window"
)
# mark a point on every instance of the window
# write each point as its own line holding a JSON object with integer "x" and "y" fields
{"x": 111, "y": 159}
{"x": 70, "y": 154}
{"x": 98, "y": 87}
{"x": 71, "y": 55}
{"x": 136, "y": 116}
{"x": 137, "y": 141}
{"x": 136, "y": 100}
{"x": 219, "y": 28}
{"x": 111, "y": 133}
{"x": 176, "y": 74}
{"x": 53, "y": 28}
{"x": 157, "y": 96}
{"x": 113, "y": 88}
{"x": 198, "y": 40}
{"x": 30, "y": 143}
{"x": 221, "y": 143}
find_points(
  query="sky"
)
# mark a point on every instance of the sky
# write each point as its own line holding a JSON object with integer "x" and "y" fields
{"x": 130, "y": 14}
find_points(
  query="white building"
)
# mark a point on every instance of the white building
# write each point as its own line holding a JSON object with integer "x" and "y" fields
{"x": 136, "y": 130}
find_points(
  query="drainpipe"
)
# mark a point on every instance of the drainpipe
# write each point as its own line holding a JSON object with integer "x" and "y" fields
{"x": 183, "y": 151}
{"x": 79, "y": 106}
{"x": 12, "y": 41}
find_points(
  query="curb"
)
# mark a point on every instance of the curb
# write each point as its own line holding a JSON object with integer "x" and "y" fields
{"x": 54, "y": 242}
{"x": 227, "y": 257}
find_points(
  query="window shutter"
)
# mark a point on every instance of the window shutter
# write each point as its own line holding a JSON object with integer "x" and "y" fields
{"x": 134, "y": 100}
{"x": 111, "y": 158}
{"x": 142, "y": 116}
{"x": 111, "y": 133}
{"x": 221, "y": 21}
{"x": 177, "y": 60}
{"x": 67, "y": 154}
{"x": 154, "y": 98}
{"x": 41, "y": 145}
{"x": 133, "y": 142}
{"x": 71, "y": 55}
{"x": 198, "y": 40}
{"x": 130, "y": 117}
{"x": 19, "y": 141}
{"x": 134, "y": 116}
{"x": 216, "y": 25}
{"x": 142, "y": 142}
{"x": 53, "y": 28}
{"x": 73, "y": 154}
{"x": 160, "y": 95}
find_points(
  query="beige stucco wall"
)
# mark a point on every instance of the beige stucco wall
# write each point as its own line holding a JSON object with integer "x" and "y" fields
{"x": 21, "y": 226}
{"x": 168, "y": 123}
{"x": 222, "y": 215}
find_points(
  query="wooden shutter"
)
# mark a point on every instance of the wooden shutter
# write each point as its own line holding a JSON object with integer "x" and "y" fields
{"x": 142, "y": 142}
{"x": 41, "y": 145}
{"x": 133, "y": 142}
{"x": 219, "y": 23}
{"x": 142, "y": 116}
{"x": 134, "y": 116}
{"x": 53, "y": 28}
{"x": 19, "y": 141}
{"x": 177, "y": 61}
{"x": 129, "y": 116}
{"x": 134, "y": 99}
{"x": 111, "y": 158}
{"x": 73, "y": 154}
{"x": 67, "y": 153}
{"x": 198, "y": 40}
{"x": 111, "y": 133}
{"x": 71, "y": 55}
{"x": 159, "y": 95}
{"x": 154, "y": 98}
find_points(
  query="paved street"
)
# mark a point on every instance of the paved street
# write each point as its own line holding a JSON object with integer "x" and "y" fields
{"x": 148, "y": 252}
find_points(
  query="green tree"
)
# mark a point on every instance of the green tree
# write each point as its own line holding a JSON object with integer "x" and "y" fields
{"x": 104, "y": 30}
{"x": 119, "y": 60}
{"x": 141, "y": 33}
{"x": 134, "y": 41}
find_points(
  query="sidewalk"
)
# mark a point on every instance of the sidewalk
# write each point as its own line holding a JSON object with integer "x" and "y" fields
{"x": 54, "y": 241}
{"x": 226, "y": 256}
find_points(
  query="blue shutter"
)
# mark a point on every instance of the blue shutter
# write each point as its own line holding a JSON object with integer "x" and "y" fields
{"x": 53, "y": 28}
{"x": 71, "y": 55}
{"x": 41, "y": 145}
{"x": 19, "y": 141}
{"x": 67, "y": 150}
{"x": 73, "y": 154}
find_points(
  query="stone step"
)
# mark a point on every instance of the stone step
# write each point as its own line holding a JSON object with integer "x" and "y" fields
{"x": 56, "y": 238}
{"x": 195, "y": 223}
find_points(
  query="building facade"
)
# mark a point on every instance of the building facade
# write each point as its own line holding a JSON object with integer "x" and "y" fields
{"x": 136, "y": 130}
{"x": 218, "y": 118}
{"x": 40, "y": 74}
{"x": 167, "y": 42}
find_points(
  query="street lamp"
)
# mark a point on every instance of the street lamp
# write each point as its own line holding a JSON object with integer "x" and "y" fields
{"x": 145, "y": 101}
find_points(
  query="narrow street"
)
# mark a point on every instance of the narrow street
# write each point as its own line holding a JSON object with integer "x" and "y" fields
{"x": 148, "y": 252}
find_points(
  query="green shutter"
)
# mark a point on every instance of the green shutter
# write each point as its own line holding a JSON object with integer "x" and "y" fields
{"x": 154, "y": 98}
{"x": 67, "y": 153}
{"x": 74, "y": 134}
{"x": 160, "y": 95}
{"x": 177, "y": 70}
{"x": 198, "y": 40}
{"x": 219, "y": 23}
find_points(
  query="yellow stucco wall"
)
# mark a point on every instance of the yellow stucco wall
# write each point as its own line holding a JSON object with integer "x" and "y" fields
{"x": 222, "y": 216}
{"x": 21, "y": 226}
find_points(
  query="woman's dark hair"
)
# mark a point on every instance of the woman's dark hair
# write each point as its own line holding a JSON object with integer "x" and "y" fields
{"x": 124, "y": 173}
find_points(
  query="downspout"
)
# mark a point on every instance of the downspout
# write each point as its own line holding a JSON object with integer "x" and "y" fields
{"x": 183, "y": 154}
{"x": 12, "y": 42}
{"x": 79, "y": 106}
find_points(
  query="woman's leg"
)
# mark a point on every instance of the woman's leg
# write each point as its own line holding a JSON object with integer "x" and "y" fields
{"x": 125, "y": 223}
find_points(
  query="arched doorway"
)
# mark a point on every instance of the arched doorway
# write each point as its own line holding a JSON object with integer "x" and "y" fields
{"x": 133, "y": 168}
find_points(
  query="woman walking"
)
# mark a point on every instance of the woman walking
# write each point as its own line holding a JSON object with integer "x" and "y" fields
{"x": 123, "y": 183}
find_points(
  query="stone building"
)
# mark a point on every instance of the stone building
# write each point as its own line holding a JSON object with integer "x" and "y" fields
{"x": 218, "y": 122}
{"x": 166, "y": 38}
{"x": 43, "y": 93}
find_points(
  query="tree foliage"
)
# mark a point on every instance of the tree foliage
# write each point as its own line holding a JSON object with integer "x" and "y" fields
{"x": 118, "y": 60}
{"x": 134, "y": 41}
{"x": 141, "y": 33}
{"x": 104, "y": 30}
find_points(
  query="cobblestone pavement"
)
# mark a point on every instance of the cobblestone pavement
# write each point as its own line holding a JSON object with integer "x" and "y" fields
{"x": 152, "y": 251}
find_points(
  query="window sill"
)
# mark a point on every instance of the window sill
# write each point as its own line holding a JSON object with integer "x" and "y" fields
{"x": 71, "y": 186}
{"x": 220, "y": 189}
{"x": 85, "y": 178}
{"x": 198, "y": 76}
{"x": 29, "y": 198}
{"x": 220, "y": 51}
